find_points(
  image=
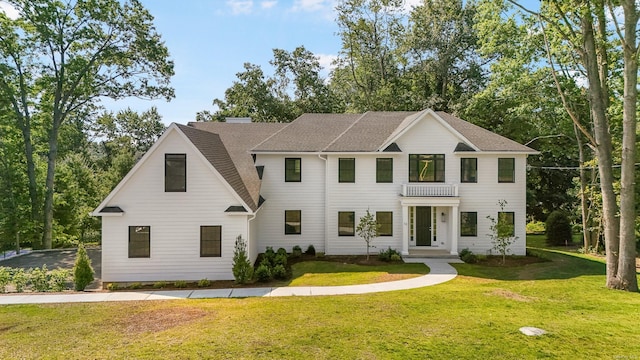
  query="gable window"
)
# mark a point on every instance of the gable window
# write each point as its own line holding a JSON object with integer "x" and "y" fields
{"x": 468, "y": 223}
{"x": 384, "y": 170}
{"x": 506, "y": 218}
{"x": 468, "y": 170}
{"x": 210, "y": 241}
{"x": 139, "y": 241}
{"x": 426, "y": 167}
{"x": 346, "y": 223}
{"x": 384, "y": 219}
{"x": 292, "y": 169}
{"x": 506, "y": 170}
{"x": 346, "y": 170}
{"x": 175, "y": 172}
{"x": 292, "y": 222}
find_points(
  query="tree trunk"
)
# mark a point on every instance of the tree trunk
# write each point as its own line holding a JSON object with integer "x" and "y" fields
{"x": 586, "y": 228}
{"x": 48, "y": 201}
{"x": 598, "y": 100}
{"x": 626, "y": 275}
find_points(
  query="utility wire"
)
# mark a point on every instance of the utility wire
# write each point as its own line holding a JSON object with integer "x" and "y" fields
{"x": 569, "y": 167}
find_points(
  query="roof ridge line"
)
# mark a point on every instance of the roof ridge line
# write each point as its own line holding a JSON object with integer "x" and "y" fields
{"x": 345, "y": 131}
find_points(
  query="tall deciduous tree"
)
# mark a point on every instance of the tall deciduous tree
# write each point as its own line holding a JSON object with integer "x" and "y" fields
{"x": 57, "y": 59}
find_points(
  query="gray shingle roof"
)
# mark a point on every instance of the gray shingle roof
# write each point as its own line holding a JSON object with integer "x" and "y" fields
{"x": 235, "y": 140}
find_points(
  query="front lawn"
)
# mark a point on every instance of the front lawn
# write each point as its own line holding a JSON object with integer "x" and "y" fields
{"x": 329, "y": 273}
{"x": 475, "y": 316}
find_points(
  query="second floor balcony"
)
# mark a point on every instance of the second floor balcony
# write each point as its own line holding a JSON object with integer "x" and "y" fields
{"x": 429, "y": 190}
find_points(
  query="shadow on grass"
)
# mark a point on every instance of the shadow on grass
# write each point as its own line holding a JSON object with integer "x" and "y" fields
{"x": 559, "y": 265}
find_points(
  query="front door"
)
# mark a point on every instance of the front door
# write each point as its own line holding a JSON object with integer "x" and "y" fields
{"x": 423, "y": 226}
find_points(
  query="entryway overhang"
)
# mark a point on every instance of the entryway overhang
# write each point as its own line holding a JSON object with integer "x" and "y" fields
{"x": 451, "y": 202}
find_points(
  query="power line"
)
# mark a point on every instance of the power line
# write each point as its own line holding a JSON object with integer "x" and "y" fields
{"x": 569, "y": 167}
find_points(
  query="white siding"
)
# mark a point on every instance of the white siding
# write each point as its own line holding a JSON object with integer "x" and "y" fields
{"x": 175, "y": 220}
{"x": 306, "y": 196}
{"x": 364, "y": 194}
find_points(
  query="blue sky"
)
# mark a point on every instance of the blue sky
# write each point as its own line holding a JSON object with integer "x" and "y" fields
{"x": 210, "y": 41}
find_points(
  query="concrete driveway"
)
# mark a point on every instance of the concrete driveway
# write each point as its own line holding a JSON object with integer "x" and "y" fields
{"x": 58, "y": 259}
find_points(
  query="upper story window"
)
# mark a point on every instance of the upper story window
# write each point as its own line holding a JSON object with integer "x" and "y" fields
{"x": 506, "y": 170}
{"x": 175, "y": 172}
{"x": 292, "y": 169}
{"x": 346, "y": 170}
{"x": 468, "y": 170}
{"x": 210, "y": 241}
{"x": 384, "y": 170}
{"x": 426, "y": 167}
{"x": 139, "y": 241}
{"x": 292, "y": 222}
{"x": 468, "y": 224}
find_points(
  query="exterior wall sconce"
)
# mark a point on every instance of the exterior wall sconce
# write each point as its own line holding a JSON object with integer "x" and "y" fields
{"x": 444, "y": 217}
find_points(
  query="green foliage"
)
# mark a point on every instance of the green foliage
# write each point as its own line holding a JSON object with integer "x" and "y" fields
{"x": 58, "y": 279}
{"x": 535, "y": 227}
{"x": 242, "y": 269}
{"x": 159, "y": 284}
{"x": 388, "y": 255}
{"x": 204, "y": 283}
{"x": 558, "y": 229}
{"x": 263, "y": 273}
{"x": 280, "y": 272}
{"x": 135, "y": 286}
{"x": 281, "y": 251}
{"x": 180, "y": 284}
{"x": 113, "y": 286}
{"x": 367, "y": 229}
{"x": 39, "y": 279}
{"x": 5, "y": 278}
{"x": 281, "y": 259}
{"x": 467, "y": 256}
{"x": 320, "y": 254}
{"x": 269, "y": 255}
{"x": 311, "y": 250}
{"x": 396, "y": 257}
{"x": 20, "y": 279}
{"x": 82, "y": 270}
{"x": 502, "y": 232}
{"x": 296, "y": 252}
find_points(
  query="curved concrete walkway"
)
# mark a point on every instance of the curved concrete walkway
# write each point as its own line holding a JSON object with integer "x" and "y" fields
{"x": 440, "y": 271}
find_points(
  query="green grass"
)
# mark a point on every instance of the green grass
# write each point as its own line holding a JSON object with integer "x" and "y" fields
{"x": 328, "y": 273}
{"x": 475, "y": 316}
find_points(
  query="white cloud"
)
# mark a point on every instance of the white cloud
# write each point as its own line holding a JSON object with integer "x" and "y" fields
{"x": 240, "y": 6}
{"x": 311, "y": 5}
{"x": 9, "y": 10}
{"x": 326, "y": 61}
{"x": 268, "y": 4}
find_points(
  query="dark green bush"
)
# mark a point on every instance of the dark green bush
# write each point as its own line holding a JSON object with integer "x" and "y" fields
{"x": 135, "y": 285}
{"x": 279, "y": 272}
{"x": 82, "y": 270}
{"x": 269, "y": 255}
{"x": 281, "y": 251}
{"x": 242, "y": 269}
{"x": 467, "y": 256}
{"x": 558, "y": 229}
{"x": 296, "y": 252}
{"x": 263, "y": 273}
{"x": 204, "y": 283}
{"x": 180, "y": 284}
{"x": 311, "y": 250}
{"x": 386, "y": 255}
{"x": 280, "y": 260}
{"x": 159, "y": 284}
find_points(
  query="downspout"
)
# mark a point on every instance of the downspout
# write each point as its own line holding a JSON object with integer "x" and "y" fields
{"x": 326, "y": 201}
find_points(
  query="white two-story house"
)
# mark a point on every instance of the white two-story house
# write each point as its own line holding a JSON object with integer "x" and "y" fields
{"x": 431, "y": 180}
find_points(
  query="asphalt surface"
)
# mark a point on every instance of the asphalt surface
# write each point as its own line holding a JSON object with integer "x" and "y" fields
{"x": 58, "y": 259}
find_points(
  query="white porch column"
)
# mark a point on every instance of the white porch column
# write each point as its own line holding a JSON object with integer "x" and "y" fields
{"x": 405, "y": 230}
{"x": 454, "y": 229}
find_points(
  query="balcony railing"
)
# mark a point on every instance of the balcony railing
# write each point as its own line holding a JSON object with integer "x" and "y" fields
{"x": 429, "y": 190}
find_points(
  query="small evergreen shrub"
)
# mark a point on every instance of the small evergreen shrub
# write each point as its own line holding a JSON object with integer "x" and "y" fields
{"x": 281, "y": 251}
{"x": 558, "y": 229}
{"x": 20, "y": 279}
{"x": 263, "y": 272}
{"x": 385, "y": 255}
{"x": 396, "y": 257}
{"x": 242, "y": 269}
{"x": 204, "y": 283}
{"x": 113, "y": 286}
{"x": 467, "y": 256}
{"x": 280, "y": 260}
{"x": 311, "y": 250}
{"x": 279, "y": 272}
{"x": 58, "y": 279}
{"x": 39, "y": 279}
{"x": 82, "y": 270}
{"x": 180, "y": 284}
{"x": 5, "y": 279}
{"x": 320, "y": 254}
{"x": 269, "y": 255}
{"x": 135, "y": 285}
{"x": 159, "y": 284}
{"x": 296, "y": 252}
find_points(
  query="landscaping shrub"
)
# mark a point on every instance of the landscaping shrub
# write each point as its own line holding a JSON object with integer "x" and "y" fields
{"x": 39, "y": 279}
{"x": 386, "y": 255}
{"x": 535, "y": 227}
{"x": 135, "y": 285}
{"x": 467, "y": 256}
{"x": 263, "y": 272}
{"x": 5, "y": 279}
{"x": 58, "y": 279}
{"x": 281, "y": 251}
{"x": 20, "y": 279}
{"x": 82, "y": 270}
{"x": 204, "y": 283}
{"x": 320, "y": 254}
{"x": 279, "y": 272}
{"x": 396, "y": 257}
{"x": 296, "y": 252}
{"x": 311, "y": 250}
{"x": 269, "y": 255}
{"x": 113, "y": 286}
{"x": 558, "y": 229}
{"x": 159, "y": 284}
{"x": 242, "y": 269}
{"x": 280, "y": 260}
{"x": 180, "y": 284}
